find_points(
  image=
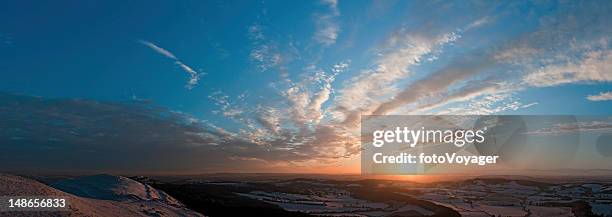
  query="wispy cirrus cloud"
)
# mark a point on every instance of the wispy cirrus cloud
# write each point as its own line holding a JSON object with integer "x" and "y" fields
{"x": 402, "y": 51}
{"x": 480, "y": 22}
{"x": 602, "y": 96}
{"x": 568, "y": 48}
{"x": 265, "y": 52}
{"x": 601, "y": 126}
{"x": 194, "y": 76}
{"x": 437, "y": 82}
{"x": 593, "y": 67}
{"x": 413, "y": 49}
{"x": 327, "y": 26}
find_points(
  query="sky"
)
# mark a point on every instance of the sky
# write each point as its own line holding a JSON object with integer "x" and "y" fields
{"x": 277, "y": 86}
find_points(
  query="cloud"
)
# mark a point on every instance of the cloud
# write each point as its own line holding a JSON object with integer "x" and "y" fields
{"x": 194, "y": 76}
{"x": 602, "y": 96}
{"x": 327, "y": 27}
{"x": 547, "y": 56}
{"x": 294, "y": 121}
{"x": 53, "y": 135}
{"x": 159, "y": 50}
{"x": 227, "y": 109}
{"x": 575, "y": 127}
{"x": 333, "y": 4}
{"x": 567, "y": 48}
{"x": 307, "y": 97}
{"x": 490, "y": 104}
{"x": 270, "y": 118}
{"x": 480, "y": 22}
{"x": 265, "y": 52}
{"x": 327, "y": 30}
{"x": 593, "y": 67}
{"x": 364, "y": 92}
{"x": 466, "y": 93}
{"x": 265, "y": 55}
{"x": 436, "y": 82}
{"x": 377, "y": 91}
{"x": 340, "y": 67}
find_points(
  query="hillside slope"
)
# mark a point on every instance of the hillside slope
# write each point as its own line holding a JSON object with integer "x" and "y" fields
{"x": 128, "y": 199}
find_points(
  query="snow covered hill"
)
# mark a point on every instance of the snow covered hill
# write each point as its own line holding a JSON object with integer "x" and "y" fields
{"x": 118, "y": 188}
{"x": 100, "y": 195}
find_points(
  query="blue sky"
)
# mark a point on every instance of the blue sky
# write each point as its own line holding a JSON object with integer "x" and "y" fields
{"x": 261, "y": 71}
